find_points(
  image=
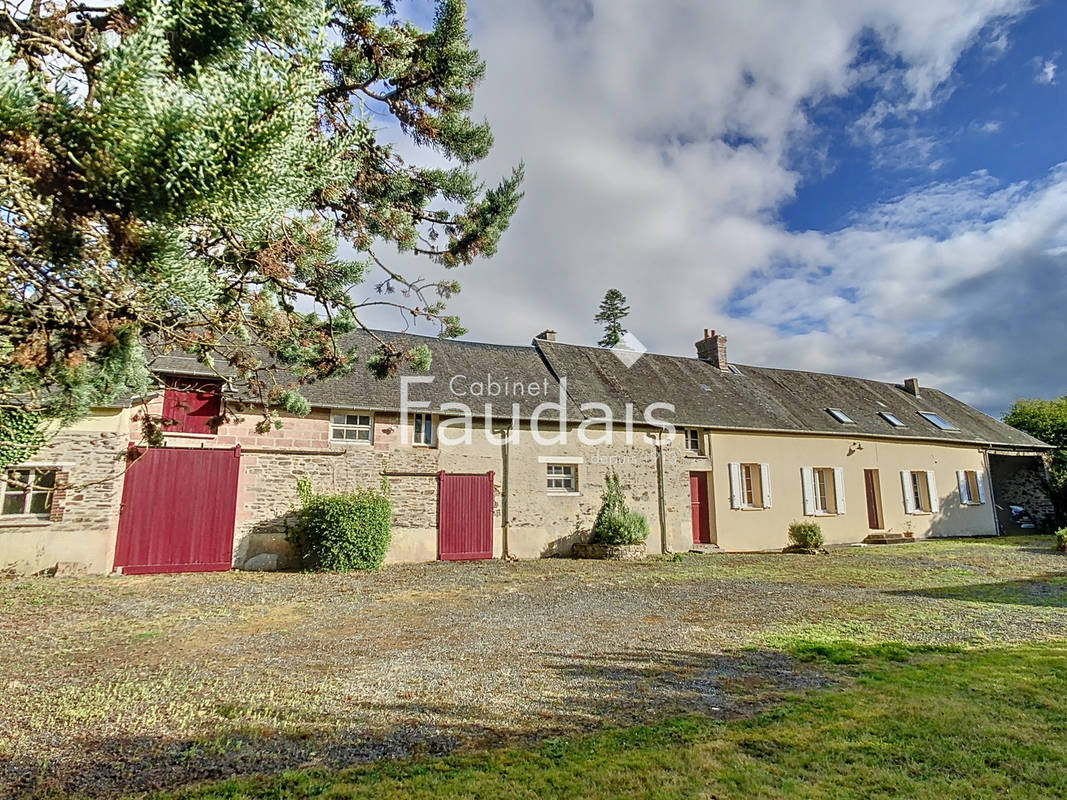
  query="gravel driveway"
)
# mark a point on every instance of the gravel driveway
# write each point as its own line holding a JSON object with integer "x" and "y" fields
{"x": 131, "y": 683}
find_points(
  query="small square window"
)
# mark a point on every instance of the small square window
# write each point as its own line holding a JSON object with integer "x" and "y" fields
{"x": 840, "y": 416}
{"x": 562, "y": 478}
{"x": 938, "y": 421}
{"x": 352, "y": 428}
{"x": 892, "y": 419}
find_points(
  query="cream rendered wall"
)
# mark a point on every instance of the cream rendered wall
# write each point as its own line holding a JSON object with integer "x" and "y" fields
{"x": 766, "y": 529}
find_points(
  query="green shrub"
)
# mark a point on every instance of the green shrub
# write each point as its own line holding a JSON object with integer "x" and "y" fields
{"x": 805, "y": 535}
{"x": 343, "y": 532}
{"x": 1061, "y": 540}
{"x": 616, "y": 524}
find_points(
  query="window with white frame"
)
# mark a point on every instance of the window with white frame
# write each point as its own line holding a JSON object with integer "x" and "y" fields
{"x": 823, "y": 490}
{"x": 28, "y": 491}
{"x": 920, "y": 492}
{"x": 345, "y": 427}
{"x": 972, "y": 487}
{"x": 692, "y": 441}
{"x": 562, "y": 478}
{"x": 422, "y": 430}
{"x": 892, "y": 419}
{"x": 750, "y": 486}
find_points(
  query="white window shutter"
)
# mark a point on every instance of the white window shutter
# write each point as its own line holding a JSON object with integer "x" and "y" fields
{"x": 909, "y": 495}
{"x": 965, "y": 488}
{"x": 931, "y": 486}
{"x": 839, "y": 489}
{"x": 735, "y": 485}
{"x": 807, "y": 483}
{"x": 983, "y": 492}
{"x": 765, "y": 483}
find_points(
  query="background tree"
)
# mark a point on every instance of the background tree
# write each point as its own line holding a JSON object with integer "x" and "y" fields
{"x": 179, "y": 175}
{"x": 613, "y": 311}
{"x": 1047, "y": 420}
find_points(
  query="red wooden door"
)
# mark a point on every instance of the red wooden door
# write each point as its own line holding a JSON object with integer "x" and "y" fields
{"x": 178, "y": 509}
{"x": 698, "y": 500}
{"x": 465, "y": 517}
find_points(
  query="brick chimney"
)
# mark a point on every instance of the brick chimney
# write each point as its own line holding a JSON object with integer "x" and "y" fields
{"x": 548, "y": 336}
{"x": 712, "y": 348}
{"x": 911, "y": 386}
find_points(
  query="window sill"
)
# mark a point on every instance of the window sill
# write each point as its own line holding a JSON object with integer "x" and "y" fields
{"x": 184, "y": 435}
{"x": 751, "y": 508}
{"x": 920, "y": 513}
{"x": 563, "y": 494}
{"x": 24, "y": 520}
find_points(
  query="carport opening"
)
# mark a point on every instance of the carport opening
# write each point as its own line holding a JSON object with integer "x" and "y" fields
{"x": 1021, "y": 491}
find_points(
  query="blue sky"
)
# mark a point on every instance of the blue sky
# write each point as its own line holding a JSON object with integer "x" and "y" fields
{"x": 865, "y": 187}
{"x": 998, "y": 118}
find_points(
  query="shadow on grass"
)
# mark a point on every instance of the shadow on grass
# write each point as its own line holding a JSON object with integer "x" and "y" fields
{"x": 622, "y": 688}
{"x": 1048, "y": 590}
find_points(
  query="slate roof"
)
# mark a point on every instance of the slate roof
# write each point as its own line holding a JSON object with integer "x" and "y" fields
{"x": 762, "y": 398}
{"x": 456, "y": 365}
{"x": 757, "y": 399}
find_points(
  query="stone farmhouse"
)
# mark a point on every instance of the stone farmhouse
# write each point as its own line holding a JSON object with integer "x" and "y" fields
{"x": 501, "y": 451}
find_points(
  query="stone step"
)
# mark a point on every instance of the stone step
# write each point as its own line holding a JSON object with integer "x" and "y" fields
{"x": 705, "y": 548}
{"x": 889, "y": 538}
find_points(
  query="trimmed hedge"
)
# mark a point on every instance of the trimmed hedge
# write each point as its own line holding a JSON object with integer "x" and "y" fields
{"x": 805, "y": 535}
{"x": 616, "y": 524}
{"x": 343, "y": 532}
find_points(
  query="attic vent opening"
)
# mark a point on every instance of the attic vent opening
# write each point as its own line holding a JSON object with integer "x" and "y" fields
{"x": 938, "y": 421}
{"x": 840, "y": 416}
{"x": 733, "y": 368}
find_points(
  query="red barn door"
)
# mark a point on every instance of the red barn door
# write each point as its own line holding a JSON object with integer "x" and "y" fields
{"x": 178, "y": 509}
{"x": 465, "y": 517}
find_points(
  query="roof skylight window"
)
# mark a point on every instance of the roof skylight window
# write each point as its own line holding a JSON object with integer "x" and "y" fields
{"x": 840, "y": 416}
{"x": 938, "y": 421}
{"x": 892, "y": 419}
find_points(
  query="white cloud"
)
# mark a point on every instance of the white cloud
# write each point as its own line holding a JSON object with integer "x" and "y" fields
{"x": 661, "y": 146}
{"x": 1045, "y": 69}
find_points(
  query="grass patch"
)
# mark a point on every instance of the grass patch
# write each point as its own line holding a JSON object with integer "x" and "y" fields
{"x": 920, "y": 723}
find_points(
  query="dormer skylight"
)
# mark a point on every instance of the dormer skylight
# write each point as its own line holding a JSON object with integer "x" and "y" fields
{"x": 892, "y": 419}
{"x": 840, "y": 416}
{"x": 938, "y": 421}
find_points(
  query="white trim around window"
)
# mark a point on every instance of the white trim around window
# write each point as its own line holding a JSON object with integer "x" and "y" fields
{"x": 972, "y": 486}
{"x": 561, "y": 477}
{"x": 694, "y": 441}
{"x": 423, "y": 429}
{"x": 352, "y": 427}
{"x": 823, "y": 489}
{"x": 920, "y": 492}
{"x": 750, "y": 486}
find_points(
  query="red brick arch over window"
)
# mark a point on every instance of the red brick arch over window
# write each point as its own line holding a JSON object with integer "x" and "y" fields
{"x": 190, "y": 403}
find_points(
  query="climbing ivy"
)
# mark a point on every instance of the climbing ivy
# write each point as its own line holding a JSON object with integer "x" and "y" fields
{"x": 21, "y": 435}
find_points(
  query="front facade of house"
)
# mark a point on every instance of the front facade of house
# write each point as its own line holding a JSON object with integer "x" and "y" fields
{"x": 752, "y": 450}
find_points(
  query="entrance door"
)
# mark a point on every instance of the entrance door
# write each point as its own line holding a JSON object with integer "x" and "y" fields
{"x": 465, "y": 517}
{"x": 178, "y": 509}
{"x": 874, "y": 499}
{"x": 698, "y": 500}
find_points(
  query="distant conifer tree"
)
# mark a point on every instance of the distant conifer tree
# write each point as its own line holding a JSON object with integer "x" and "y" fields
{"x": 613, "y": 311}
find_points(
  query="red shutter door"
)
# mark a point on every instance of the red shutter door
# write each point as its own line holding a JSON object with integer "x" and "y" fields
{"x": 191, "y": 406}
{"x": 465, "y": 516}
{"x": 178, "y": 510}
{"x": 698, "y": 499}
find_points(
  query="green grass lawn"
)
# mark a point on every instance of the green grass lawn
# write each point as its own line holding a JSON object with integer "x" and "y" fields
{"x": 914, "y": 723}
